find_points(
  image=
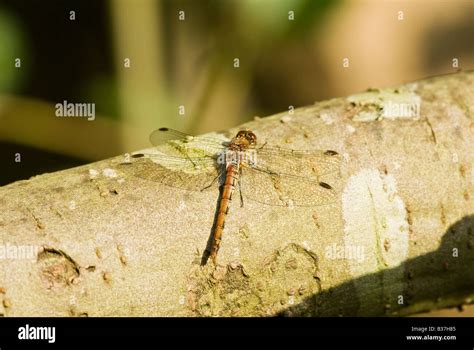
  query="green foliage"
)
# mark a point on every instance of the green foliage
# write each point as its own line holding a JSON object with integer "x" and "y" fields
{"x": 12, "y": 46}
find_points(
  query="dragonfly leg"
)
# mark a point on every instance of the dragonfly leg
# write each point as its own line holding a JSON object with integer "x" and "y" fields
{"x": 262, "y": 145}
{"x": 240, "y": 188}
{"x": 212, "y": 183}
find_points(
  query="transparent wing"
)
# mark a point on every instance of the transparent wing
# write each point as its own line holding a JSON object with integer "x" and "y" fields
{"x": 187, "y": 162}
{"x": 192, "y": 174}
{"x": 272, "y": 188}
{"x": 164, "y": 136}
{"x": 301, "y": 162}
{"x": 179, "y": 160}
{"x": 311, "y": 163}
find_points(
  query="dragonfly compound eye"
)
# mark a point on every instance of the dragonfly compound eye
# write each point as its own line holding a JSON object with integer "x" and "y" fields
{"x": 251, "y": 138}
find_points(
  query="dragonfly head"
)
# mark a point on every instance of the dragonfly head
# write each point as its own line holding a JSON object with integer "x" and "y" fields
{"x": 245, "y": 139}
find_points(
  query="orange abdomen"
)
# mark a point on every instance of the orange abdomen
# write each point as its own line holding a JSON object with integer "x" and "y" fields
{"x": 232, "y": 173}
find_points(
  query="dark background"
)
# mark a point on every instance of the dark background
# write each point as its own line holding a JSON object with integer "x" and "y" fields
{"x": 190, "y": 63}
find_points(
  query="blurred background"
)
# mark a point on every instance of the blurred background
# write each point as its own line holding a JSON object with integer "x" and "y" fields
{"x": 200, "y": 66}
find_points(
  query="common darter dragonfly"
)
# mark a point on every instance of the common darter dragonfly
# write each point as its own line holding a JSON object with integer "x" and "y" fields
{"x": 262, "y": 173}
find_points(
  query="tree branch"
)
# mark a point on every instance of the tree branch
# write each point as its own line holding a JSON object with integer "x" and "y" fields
{"x": 397, "y": 240}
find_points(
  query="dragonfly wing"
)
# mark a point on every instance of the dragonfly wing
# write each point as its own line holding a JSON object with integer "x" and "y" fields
{"x": 311, "y": 164}
{"x": 270, "y": 188}
{"x": 192, "y": 174}
{"x": 178, "y": 139}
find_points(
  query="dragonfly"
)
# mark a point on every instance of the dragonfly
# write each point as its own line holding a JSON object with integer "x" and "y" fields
{"x": 265, "y": 174}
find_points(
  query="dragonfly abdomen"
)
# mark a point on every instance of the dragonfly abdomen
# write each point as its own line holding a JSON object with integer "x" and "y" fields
{"x": 232, "y": 173}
